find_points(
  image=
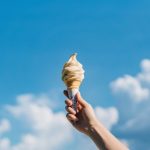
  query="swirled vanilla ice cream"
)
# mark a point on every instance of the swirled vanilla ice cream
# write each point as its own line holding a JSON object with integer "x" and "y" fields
{"x": 73, "y": 75}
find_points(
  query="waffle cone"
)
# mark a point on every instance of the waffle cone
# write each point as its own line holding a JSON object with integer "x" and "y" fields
{"x": 73, "y": 84}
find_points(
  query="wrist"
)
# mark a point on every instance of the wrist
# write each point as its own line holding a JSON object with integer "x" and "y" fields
{"x": 93, "y": 127}
{"x": 97, "y": 135}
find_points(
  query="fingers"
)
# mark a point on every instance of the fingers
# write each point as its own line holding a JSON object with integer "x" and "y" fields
{"x": 80, "y": 100}
{"x": 71, "y": 117}
{"x": 68, "y": 107}
{"x": 79, "y": 107}
{"x": 68, "y": 102}
{"x": 70, "y": 110}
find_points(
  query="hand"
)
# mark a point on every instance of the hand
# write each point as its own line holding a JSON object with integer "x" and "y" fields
{"x": 84, "y": 118}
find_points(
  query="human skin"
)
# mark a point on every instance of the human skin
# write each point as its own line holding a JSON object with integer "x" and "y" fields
{"x": 85, "y": 121}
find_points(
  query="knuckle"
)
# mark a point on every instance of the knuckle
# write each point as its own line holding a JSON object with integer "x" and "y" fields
{"x": 68, "y": 108}
{"x": 71, "y": 110}
{"x": 67, "y": 100}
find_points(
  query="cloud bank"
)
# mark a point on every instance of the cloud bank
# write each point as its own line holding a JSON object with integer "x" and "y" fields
{"x": 42, "y": 128}
{"x": 108, "y": 116}
{"x": 134, "y": 92}
{"x": 136, "y": 88}
{"x": 4, "y": 126}
{"x": 46, "y": 129}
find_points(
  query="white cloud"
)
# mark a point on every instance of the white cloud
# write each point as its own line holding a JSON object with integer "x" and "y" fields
{"x": 108, "y": 116}
{"x": 144, "y": 75}
{"x": 131, "y": 87}
{"x": 145, "y": 65}
{"x": 140, "y": 123}
{"x": 47, "y": 128}
{"x": 137, "y": 87}
{"x": 4, "y": 126}
{"x": 4, "y": 144}
{"x": 42, "y": 128}
{"x": 135, "y": 124}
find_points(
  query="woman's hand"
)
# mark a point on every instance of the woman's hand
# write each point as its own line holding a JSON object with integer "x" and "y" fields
{"x": 84, "y": 118}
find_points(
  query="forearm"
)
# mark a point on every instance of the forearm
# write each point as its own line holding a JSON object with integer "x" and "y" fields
{"x": 104, "y": 139}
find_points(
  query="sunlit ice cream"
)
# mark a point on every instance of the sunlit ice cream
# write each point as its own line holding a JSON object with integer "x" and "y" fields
{"x": 73, "y": 75}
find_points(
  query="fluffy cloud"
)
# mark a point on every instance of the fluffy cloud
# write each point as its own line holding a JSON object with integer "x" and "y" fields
{"x": 135, "y": 127}
{"x": 137, "y": 87}
{"x": 5, "y": 144}
{"x": 144, "y": 75}
{"x": 108, "y": 116}
{"x": 139, "y": 124}
{"x": 42, "y": 128}
{"x": 4, "y": 126}
{"x": 45, "y": 128}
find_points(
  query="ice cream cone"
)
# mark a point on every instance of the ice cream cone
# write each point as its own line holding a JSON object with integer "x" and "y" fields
{"x": 73, "y": 75}
{"x": 72, "y": 95}
{"x": 73, "y": 84}
{"x": 73, "y": 89}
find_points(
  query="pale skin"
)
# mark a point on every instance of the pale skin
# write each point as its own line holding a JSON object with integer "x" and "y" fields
{"x": 85, "y": 121}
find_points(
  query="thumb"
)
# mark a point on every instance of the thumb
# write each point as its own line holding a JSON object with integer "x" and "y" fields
{"x": 80, "y": 100}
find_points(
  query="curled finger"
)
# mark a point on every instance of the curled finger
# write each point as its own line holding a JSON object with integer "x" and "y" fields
{"x": 68, "y": 102}
{"x": 71, "y": 117}
{"x": 70, "y": 110}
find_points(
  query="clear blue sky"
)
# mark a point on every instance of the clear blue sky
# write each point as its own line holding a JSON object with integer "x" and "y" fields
{"x": 37, "y": 37}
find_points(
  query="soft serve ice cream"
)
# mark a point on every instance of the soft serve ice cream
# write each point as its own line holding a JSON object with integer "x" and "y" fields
{"x": 73, "y": 75}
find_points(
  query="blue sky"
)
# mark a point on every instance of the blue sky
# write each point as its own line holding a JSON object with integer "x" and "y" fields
{"x": 37, "y": 37}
